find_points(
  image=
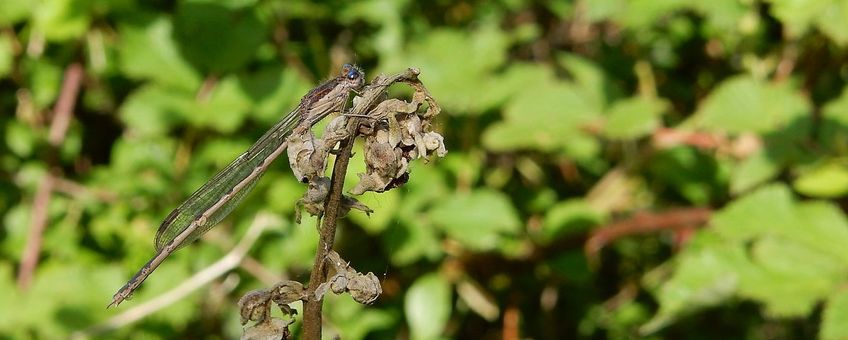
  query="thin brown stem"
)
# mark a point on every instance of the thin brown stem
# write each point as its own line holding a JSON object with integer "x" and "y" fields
{"x": 644, "y": 223}
{"x": 62, "y": 114}
{"x": 64, "y": 109}
{"x": 327, "y": 234}
{"x": 29, "y": 260}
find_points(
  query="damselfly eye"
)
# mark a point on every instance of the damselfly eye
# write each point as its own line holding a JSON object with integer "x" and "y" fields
{"x": 352, "y": 74}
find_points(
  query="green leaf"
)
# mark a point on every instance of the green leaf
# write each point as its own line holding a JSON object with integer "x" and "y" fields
{"x": 727, "y": 18}
{"x": 743, "y": 104}
{"x": 546, "y": 117}
{"x": 752, "y": 171}
{"x": 568, "y": 217}
{"x": 12, "y": 11}
{"x": 589, "y": 77}
{"x": 61, "y": 20}
{"x": 223, "y": 109}
{"x": 798, "y": 16}
{"x": 45, "y": 78}
{"x": 355, "y": 321}
{"x": 638, "y": 14}
{"x": 833, "y": 325}
{"x": 801, "y": 16}
{"x": 693, "y": 174}
{"x": 789, "y": 278}
{"x": 9, "y": 317}
{"x": 832, "y": 19}
{"x": 217, "y": 38}
{"x": 427, "y": 306}
{"x": 822, "y": 226}
{"x": 16, "y": 224}
{"x": 385, "y": 207}
{"x": 459, "y": 82}
{"x": 282, "y": 193}
{"x": 292, "y": 246}
{"x": 415, "y": 237}
{"x": 152, "y": 110}
{"x": 480, "y": 220}
{"x": 833, "y": 127}
{"x": 410, "y": 241}
{"x": 149, "y": 51}
{"x": 755, "y": 214}
{"x": 20, "y": 139}
{"x": 827, "y": 180}
{"x": 7, "y": 55}
{"x": 273, "y": 91}
{"x": 706, "y": 274}
{"x": 634, "y": 117}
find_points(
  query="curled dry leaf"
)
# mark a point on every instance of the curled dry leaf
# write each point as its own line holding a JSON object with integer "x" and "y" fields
{"x": 316, "y": 193}
{"x": 305, "y": 154}
{"x": 364, "y": 288}
{"x": 256, "y": 306}
{"x": 406, "y": 136}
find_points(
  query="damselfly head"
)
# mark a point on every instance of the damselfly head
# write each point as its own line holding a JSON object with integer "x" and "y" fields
{"x": 353, "y": 74}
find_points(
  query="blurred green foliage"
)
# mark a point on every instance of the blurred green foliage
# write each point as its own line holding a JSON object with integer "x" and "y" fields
{"x": 564, "y": 120}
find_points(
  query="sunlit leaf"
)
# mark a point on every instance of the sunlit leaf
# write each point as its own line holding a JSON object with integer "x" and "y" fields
{"x": 634, "y": 117}
{"x": 835, "y": 313}
{"x": 355, "y": 320}
{"x": 824, "y": 180}
{"x": 20, "y": 139}
{"x": 6, "y": 55}
{"x": 569, "y": 217}
{"x": 589, "y": 77}
{"x": 480, "y": 220}
{"x": 273, "y": 92}
{"x": 542, "y": 116}
{"x": 149, "y": 51}
{"x": 427, "y": 306}
{"x": 742, "y": 104}
{"x": 61, "y": 20}
{"x": 801, "y": 16}
{"x": 752, "y": 171}
{"x": 706, "y": 275}
{"x": 756, "y": 214}
{"x": 45, "y": 79}
{"x": 152, "y": 110}
{"x": 787, "y": 277}
{"x": 12, "y": 11}
{"x": 222, "y": 109}
{"x": 459, "y": 82}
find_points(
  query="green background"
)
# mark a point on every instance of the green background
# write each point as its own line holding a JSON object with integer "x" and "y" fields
{"x": 616, "y": 169}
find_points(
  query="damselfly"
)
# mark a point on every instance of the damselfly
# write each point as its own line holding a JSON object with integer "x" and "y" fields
{"x": 219, "y": 196}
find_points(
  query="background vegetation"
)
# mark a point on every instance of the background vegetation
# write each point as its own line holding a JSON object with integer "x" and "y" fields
{"x": 617, "y": 169}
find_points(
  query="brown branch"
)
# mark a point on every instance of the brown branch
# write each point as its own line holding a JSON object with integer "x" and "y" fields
{"x": 664, "y": 138}
{"x": 643, "y": 223}
{"x": 510, "y": 328}
{"x": 62, "y": 113}
{"x": 327, "y": 234}
{"x": 788, "y": 60}
{"x": 29, "y": 259}
{"x": 64, "y": 109}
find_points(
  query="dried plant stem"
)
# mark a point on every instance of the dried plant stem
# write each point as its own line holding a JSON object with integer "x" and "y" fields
{"x": 644, "y": 223}
{"x": 29, "y": 260}
{"x": 327, "y": 234}
{"x": 62, "y": 115}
